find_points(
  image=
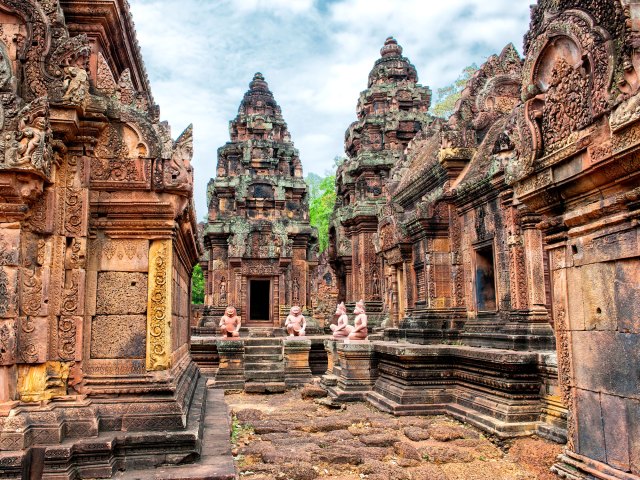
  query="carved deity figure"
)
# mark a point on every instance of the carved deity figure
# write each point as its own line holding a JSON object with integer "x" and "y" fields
{"x": 223, "y": 291}
{"x": 375, "y": 284}
{"x": 295, "y": 322}
{"x": 180, "y": 168}
{"x": 230, "y": 323}
{"x": 32, "y": 135}
{"x": 359, "y": 331}
{"x": 76, "y": 83}
{"x": 296, "y": 289}
{"x": 342, "y": 328}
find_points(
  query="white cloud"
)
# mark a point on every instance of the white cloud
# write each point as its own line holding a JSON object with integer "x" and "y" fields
{"x": 315, "y": 55}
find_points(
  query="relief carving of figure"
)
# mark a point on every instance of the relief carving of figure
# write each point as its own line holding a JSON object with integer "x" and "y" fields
{"x": 295, "y": 322}
{"x": 296, "y": 289}
{"x": 180, "y": 171}
{"x": 33, "y": 130}
{"x": 230, "y": 323}
{"x": 375, "y": 283}
{"x": 342, "y": 329}
{"x": 75, "y": 84}
{"x": 222, "y": 297}
{"x": 360, "y": 331}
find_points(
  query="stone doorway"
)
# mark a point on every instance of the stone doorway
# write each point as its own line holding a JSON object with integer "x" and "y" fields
{"x": 259, "y": 301}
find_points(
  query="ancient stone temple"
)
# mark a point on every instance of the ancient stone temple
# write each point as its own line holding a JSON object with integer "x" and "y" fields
{"x": 261, "y": 248}
{"x": 506, "y": 239}
{"x": 576, "y": 136}
{"x": 390, "y": 112}
{"x": 97, "y": 243}
{"x": 444, "y": 218}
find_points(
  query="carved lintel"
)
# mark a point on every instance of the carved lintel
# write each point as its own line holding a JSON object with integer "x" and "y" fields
{"x": 159, "y": 305}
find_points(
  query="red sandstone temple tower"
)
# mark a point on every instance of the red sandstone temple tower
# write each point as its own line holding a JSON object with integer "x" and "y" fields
{"x": 390, "y": 112}
{"x": 261, "y": 248}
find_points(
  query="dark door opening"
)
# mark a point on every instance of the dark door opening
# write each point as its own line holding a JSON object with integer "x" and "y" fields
{"x": 485, "y": 279}
{"x": 259, "y": 300}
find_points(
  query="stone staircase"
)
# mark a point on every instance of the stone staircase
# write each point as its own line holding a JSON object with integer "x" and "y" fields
{"x": 264, "y": 365}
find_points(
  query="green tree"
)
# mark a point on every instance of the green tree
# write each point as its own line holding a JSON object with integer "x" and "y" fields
{"x": 446, "y": 97}
{"x": 322, "y": 198}
{"x": 197, "y": 285}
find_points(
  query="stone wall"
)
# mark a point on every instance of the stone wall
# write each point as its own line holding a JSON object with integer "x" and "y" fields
{"x": 97, "y": 243}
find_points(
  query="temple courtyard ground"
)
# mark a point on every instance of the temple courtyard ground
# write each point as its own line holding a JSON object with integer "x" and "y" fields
{"x": 286, "y": 436}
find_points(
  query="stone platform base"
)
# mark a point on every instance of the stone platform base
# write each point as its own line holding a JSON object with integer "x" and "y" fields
{"x": 264, "y": 364}
{"x": 128, "y": 454}
{"x": 496, "y": 390}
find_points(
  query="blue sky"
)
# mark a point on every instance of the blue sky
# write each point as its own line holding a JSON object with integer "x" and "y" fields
{"x": 315, "y": 54}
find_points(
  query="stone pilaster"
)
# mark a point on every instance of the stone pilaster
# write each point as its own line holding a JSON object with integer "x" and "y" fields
{"x": 330, "y": 378}
{"x": 296, "y": 362}
{"x": 358, "y": 370}
{"x": 230, "y": 375}
{"x": 159, "y": 306}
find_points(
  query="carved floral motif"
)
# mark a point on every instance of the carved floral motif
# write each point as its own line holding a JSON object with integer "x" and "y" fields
{"x": 31, "y": 301}
{"x": 5, "y": 292}
{"x": 67, "y": 338}
{"x": 159, "y": 308}
{"x": 566, "y": 107}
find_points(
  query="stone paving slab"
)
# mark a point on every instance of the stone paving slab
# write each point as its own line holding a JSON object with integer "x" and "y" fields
{"x": 292, "y": 437}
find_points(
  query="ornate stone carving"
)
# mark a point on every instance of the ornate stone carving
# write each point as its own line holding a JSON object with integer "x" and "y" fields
{"x": 6, "y": 72}
{"x": 30, "y": 147}
{"x": 76, "y": 84}
{"x": 159, "y": 305}
{"x": 5, "y": 292}
{"x": 67, "y": 337}
{"x": 31, "y": 297}
{"x": 126, "y": 90}
{"x": 566, "y": 107}
{"x": 104, "y": 77}
{"x": 178, "y": 173}
{"x": 7, "y": 342}
{"x": 73, "y": 199}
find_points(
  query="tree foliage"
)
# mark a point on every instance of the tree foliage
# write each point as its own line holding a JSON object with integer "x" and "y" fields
{"x": 197, "y": 285}
{"x": 322, "y": 198}
{"x": 446, "y": 97}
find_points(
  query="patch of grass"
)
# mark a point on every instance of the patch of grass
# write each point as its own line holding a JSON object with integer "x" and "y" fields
{"x": 239, "y": 430}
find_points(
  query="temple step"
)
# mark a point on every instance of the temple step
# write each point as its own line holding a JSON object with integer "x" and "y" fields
{"x": 262, "y": 342}
{"x": 265, "y": 387}
{"x": 263, "y": 358}
{"x": 264, "y": 367}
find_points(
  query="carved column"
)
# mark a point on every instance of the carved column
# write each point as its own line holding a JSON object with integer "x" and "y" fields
{"x": 534, "y": 263}
{"x": 159, "y": 305}
{"x": 395, "y": 314}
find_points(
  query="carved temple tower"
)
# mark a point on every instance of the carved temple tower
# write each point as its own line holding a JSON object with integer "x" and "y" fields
{"x": 390, "y": 112}
{"x": 260, "y": 244}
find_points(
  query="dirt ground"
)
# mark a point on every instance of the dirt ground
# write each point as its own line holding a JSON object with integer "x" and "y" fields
{"x": 283, "y": 436}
